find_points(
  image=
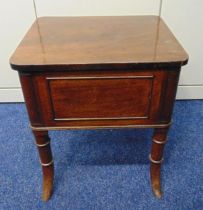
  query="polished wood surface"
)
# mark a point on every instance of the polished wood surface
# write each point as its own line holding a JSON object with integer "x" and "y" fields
{"x": 71, "y": 43}
{"x": 132, "y": 67}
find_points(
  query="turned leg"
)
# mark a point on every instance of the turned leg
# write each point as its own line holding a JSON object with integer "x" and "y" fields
{"x": 43, "y": 144}
{"x": 156, "y": 158}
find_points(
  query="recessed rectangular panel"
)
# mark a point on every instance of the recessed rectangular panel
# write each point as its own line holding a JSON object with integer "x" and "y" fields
{"x": 93, "y": 98}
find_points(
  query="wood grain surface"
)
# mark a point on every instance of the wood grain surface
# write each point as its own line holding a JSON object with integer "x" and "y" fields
{"x": 69, "y": 43}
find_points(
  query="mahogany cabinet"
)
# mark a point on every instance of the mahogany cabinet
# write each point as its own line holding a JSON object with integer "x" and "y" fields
{"x": 99, "y": 72}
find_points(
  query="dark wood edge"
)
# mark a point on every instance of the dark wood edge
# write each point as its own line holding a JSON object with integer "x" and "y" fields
{"x": 169, "y": 94}
{"x": 30, "y": 97}
{"x": 107, "y": 66}
{"x": 44, "y": 128}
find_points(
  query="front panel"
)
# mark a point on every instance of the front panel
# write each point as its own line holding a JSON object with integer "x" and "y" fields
{"x": 121, "y": 98}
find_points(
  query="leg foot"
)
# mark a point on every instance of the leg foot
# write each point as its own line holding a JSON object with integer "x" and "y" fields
{"x": 48, "y": 177}
{"x": 156, "y": 158}
{"x": 155, "y": 180}
{"x": 44, "y": 149}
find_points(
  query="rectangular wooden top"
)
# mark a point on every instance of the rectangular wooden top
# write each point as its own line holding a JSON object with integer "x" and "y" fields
{"x": 71, "y": 43}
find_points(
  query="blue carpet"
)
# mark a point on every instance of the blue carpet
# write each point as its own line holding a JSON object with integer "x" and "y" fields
{"x": 103, "y": 169}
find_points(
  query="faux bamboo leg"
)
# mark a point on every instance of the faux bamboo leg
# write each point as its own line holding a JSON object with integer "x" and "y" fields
{"x": 156, "y": 158}
{"x": 44, "y": 149}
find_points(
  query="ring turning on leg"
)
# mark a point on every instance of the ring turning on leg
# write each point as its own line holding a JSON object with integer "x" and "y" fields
{"x": 155, "y": 161}
{"x": 47, "y": 164}
{"x": 46, "y": 160}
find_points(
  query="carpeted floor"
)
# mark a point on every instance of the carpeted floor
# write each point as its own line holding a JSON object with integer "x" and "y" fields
{"x": 103, "y": 169}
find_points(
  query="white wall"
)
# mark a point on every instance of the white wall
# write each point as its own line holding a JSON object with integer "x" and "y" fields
{"x": 15, "y": 19}
{"x": 184, "y": 17}
{"x": 96, "y": 7}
